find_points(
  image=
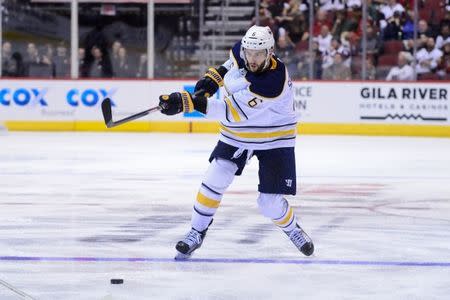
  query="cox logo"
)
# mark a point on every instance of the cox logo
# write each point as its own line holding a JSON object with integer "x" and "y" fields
{"x": 23, "y": 96}
{"x": 89, "y": 97}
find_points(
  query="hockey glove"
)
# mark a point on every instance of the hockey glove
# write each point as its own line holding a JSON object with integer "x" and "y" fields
{"x": 175, "y": 103}
{"x": 211, "y": 82}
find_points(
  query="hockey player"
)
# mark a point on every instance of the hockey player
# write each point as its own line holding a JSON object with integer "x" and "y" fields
{"x": 256, "y": 119}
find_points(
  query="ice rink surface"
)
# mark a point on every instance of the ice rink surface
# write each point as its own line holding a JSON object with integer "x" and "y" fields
{"x": 78, "y": 209}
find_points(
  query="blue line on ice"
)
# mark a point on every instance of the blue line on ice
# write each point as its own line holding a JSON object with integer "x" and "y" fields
{"x": 310, "y": 261}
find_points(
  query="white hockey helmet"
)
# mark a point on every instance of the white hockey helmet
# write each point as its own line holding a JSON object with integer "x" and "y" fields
{"x": 258, "y": 38}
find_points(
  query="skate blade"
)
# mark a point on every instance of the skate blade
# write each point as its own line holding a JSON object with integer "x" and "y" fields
{"x": 181, "y": 256}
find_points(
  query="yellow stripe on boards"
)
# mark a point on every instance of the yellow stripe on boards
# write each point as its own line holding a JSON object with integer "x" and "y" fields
{"x": 260, "y": 135}
{"x": 233, "y": 110}
{"x": 287, "y": 218}
{"x": 185, "y": 126}
{"x": 374, "y": 129}
{"x": 40, "y": 125}
{"x": 205, "y": 127}
{"x": 100, "y": 126}
{"x": 208, "y": 202}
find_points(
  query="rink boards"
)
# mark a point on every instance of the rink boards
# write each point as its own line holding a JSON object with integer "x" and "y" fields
{"x": 367, "y": 108}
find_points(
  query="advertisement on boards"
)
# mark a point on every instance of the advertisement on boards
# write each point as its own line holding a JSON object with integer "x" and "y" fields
{"x": 314, "y": 102}
{"x": 377, "y": 103}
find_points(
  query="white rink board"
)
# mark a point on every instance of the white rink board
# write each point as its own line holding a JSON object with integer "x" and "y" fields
{"x": 316, "y": 102}
{"x": 77, "y": 100}
{"x": 384, "y": 103}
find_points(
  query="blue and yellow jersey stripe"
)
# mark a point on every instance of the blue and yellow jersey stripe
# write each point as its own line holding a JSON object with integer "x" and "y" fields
{"x": 261, "y": 134}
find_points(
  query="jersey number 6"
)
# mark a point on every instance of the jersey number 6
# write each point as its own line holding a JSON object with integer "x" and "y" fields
{"x": 254, "y": 102}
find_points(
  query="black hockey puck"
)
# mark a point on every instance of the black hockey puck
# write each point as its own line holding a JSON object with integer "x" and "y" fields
{"x": 116, "y": 281}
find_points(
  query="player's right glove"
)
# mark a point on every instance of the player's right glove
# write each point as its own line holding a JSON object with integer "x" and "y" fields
{"x": 211, "y": 81}
{"x": 175, "y": 103}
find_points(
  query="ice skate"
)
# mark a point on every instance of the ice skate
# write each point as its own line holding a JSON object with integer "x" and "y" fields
{"x": 189, "y": 244}
{"x": 301, "y": 240}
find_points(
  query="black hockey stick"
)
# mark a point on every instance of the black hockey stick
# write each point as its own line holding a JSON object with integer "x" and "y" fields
{"x": 107, "y": 113}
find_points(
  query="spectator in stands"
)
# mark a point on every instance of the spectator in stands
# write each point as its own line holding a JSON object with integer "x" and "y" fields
{"x": 275, "y": 7}
{"x": 373, "y": 43}
{"x": 324, "y": 38}
{"x": 354, "y": 4}
{"x": 338, "y": 24}
{"x": 82, "y": 61}
{"x": 338, "y": 70}
{"x": 142, "y": 67}
{"x": 12, "y": 62}
{"x": 6, "y": 49}
{"x": 9, "y": 68}
{"x": 329, "y": 54}
{"x": 320, "y": 20}
{"x": 99, "y": 68}
{"x": 424, "y": 29}
{"x": 32, "y": 60}
{"x": 317, "y": 61}
{"x": 32, "y": 54}
{"x": 285, "y": 51}
{"x": 423, "y": 33}
{"x": 388, "y": 11}
{"x": 47, "y": 60}
{"x": 390, "y": 7}
{"x": 444, "y": 67}
{"x": 123, "y": 69}
{"x": 293, "y": 20}
{"x": 96, "y": 38}
{"x": 61, "y": 61}
{"x": 299, "y": 29}
{"x": 349, "y": 41}
{"x": 393, "y": 28}
{"x": 48, "y": 51}
{"x": 265, "y": 16}
{"x": 116, "y": 45}
{"x": 444, "y": 36}
{"x": 265, "y": 4}
{"x": 371, "y": 71}
{"x": 18, "y": 62}
{"x": 407, "y": 24}
{"x": 302, "y": 71}
{"x": 351, "y": 23}
{"x": 305, "y": 59}
{"x": 446, "y": 19}
{"x": 304, "y": 6}
{"x": 290, "y": 9}
{"x": 428, "y": 58}
{"x": 403, "y": 71}
{"x": 332, "y": 5}
{"x": 373, "y": 13}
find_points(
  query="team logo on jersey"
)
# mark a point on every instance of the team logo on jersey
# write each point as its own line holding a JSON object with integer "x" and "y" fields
{"x": 288, "y": 182}
{"x": 243, "y": 72}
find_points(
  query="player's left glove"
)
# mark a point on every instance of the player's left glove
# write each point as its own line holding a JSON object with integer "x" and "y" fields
{"x": 211, "y": 81}
{"x": 176, "y": 102}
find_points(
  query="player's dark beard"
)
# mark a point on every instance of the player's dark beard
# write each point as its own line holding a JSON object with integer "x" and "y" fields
{"x": 259, "y": 70}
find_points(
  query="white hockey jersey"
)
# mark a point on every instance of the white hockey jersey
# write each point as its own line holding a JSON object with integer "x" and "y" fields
{"x": 257, "y": 112}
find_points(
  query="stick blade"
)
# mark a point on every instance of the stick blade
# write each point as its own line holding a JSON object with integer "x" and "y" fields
{"x": 107, "y": 114}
